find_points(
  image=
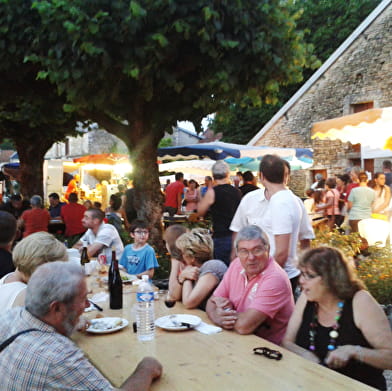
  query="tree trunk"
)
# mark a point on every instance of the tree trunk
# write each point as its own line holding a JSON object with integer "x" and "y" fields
{"x": 149, "y": 198}
{"x": 31, "y": 157}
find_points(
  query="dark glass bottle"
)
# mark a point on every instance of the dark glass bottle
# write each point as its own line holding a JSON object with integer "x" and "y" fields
{"x": 111, "y": 267}
{"x": 115, "y": 285}
{"x": 84, "y": 256}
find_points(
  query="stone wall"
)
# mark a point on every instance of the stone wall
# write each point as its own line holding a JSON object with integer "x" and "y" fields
{"x": 361, "y": 74}
{"x": 94, "y": 142}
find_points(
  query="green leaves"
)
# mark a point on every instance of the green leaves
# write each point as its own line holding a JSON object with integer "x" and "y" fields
{"x": 136, "y": 9}
{"x": 160, "y": 38}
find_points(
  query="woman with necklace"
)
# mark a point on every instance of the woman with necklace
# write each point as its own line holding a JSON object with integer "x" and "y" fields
{"x": 337, "y": 323}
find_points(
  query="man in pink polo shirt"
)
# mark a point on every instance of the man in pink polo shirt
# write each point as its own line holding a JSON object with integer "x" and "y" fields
{"x": 255, "y": 294}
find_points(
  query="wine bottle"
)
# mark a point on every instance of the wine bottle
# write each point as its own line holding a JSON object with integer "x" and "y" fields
{"x": 84, "y": 256}
{"x": 115, "y": 285}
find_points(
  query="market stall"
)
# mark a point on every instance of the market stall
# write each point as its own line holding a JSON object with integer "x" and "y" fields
{"x": 100, "y": 175}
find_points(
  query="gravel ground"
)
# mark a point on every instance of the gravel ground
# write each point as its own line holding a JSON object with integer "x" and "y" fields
{"x": 388, "y": 376}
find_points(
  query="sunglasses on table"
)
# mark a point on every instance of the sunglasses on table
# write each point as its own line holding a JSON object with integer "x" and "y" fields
{"x": 269, "y": 353}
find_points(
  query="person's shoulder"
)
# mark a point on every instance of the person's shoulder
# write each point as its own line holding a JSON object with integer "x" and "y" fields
{"x": 252, "y": 197}
{"x": 215, "y": 263}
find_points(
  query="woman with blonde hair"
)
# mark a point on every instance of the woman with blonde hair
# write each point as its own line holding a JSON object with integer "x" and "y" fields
{"x": 28, "y": 254}
{"x": 201, "y": 274}
{"x": 336, "y": 322}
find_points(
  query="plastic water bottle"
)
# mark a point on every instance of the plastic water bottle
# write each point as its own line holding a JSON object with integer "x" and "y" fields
{"x": 145, "y": 311}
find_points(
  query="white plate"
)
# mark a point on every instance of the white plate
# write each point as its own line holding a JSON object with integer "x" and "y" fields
{"x": 107, "y": 325}
{"x": 166, "y": 322}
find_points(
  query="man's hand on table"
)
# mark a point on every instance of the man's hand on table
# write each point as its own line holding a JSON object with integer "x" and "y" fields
{"x": 152, "y": 366}
{"x": 225, "y": 315}
{"x": 148, "y": 370}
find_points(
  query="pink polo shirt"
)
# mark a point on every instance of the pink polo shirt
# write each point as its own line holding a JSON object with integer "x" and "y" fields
{"x": 269, "y": 292}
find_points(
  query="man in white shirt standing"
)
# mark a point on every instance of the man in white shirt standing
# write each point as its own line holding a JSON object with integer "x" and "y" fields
{"x": 285, "y": 222}
{"x": 100, "y": 237}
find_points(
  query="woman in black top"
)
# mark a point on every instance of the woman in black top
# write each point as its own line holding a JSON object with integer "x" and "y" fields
{"x": 337, "y": 323}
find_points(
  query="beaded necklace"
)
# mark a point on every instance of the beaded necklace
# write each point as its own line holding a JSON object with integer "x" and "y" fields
{"x": 333, "y": 334}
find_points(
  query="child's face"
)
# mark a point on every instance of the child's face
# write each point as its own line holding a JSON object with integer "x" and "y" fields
{"x": 140, "y": 235}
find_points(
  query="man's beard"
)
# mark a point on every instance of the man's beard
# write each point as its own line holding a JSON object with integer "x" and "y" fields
{"x": 70, "y": 323}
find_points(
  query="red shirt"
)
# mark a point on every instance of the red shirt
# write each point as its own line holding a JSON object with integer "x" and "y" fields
{"x": 72, "y": 215}
{"x": 349, "y": 187}
{"x": 35, "y": 220}
{"x": 172, "y": 192}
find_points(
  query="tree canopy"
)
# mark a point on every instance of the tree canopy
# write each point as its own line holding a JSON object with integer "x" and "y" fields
{"x": 31, "y": 110}
{"x": 136, "y": 67}
{"x": 326, "y": 23}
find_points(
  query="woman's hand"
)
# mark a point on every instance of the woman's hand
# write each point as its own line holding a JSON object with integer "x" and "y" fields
{"x": 339, "y": 357}
{"x": 190, "y": 273}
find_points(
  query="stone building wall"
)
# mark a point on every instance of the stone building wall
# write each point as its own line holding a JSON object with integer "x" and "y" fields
{"x": 94, "y": 142}
{"x": 361, "y": 74}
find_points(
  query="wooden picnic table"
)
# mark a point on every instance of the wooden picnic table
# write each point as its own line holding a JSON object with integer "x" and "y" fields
{"x": 199, "y": 362}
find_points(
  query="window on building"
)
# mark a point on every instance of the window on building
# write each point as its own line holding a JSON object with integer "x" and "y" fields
{"x": 67, "y": 147}
{"x": 357, "y": 107}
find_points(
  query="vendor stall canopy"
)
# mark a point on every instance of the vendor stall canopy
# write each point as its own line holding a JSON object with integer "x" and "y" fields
{"x": 371, "y": 128}
{"x": 239, "y": 157}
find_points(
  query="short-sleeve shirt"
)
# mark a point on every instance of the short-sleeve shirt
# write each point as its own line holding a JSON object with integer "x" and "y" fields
{"x": 214, "y": 266}
{"x": 269, "y": 293}
{"x": 43, "y": 360}
{"x": 284, "y": 216}
{"x": 109, "y": 237}
{"x": 138, "y": 260}
{"x": 362, "y": 198}
{"x": 72, "y": 215}
{"x": 35, "y": 220}
{"x": 252, "y": 208}
{"x": 172, "y": 192}
{"x": 55, "y": 211}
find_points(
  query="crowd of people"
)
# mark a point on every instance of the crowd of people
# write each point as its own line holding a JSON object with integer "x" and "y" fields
{"x": 351, "y": 197}
{"x": 254, "y": 273}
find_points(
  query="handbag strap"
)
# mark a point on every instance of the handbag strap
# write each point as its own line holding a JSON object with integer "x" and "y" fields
{"x": 13, "y": 337}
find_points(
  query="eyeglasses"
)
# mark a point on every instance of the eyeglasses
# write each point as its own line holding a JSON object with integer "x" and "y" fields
{"x": 257, "y": 251}
{"x": 269, "y": 353}
{"x": 138, "y": 232}
{"x": 308, "y": 276}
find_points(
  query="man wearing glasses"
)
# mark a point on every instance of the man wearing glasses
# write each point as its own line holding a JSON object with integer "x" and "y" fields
{"x": 255, "y": 294}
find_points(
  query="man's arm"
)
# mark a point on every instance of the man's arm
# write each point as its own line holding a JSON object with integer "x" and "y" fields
{"x": 206, "y": 202}
{"x": 148, "y": 370}
{"x": 282, "y": 244}
{"x": 94, "y": 248}
{"x": 233, "y": 253}
{"x": 179, "y": 201}
{"x": 249, "y": 321}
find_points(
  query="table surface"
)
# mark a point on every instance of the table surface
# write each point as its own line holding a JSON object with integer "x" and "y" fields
{"x": 195, "y": 361}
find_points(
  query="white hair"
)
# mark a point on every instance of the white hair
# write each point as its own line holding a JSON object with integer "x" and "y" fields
{"x": 55, "y": 281}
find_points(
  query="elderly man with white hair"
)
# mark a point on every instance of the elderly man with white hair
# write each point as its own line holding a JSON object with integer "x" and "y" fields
{"x": 222, "y": 201}
{"x": 34, "y": 341}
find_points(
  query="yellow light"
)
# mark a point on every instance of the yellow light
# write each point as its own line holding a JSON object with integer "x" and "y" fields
{"x": 102, "y": 167}
{"x": 122, "y": 168}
